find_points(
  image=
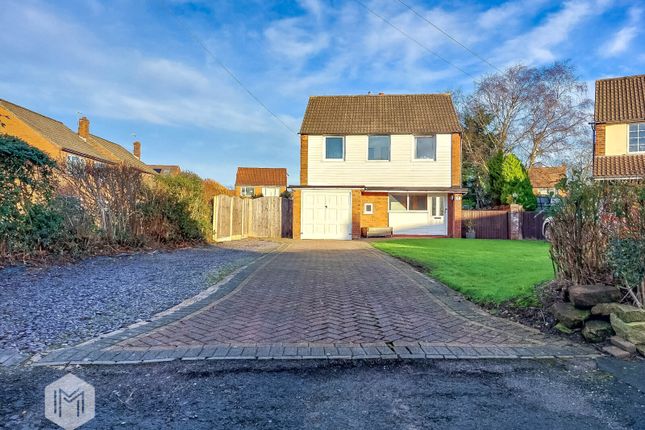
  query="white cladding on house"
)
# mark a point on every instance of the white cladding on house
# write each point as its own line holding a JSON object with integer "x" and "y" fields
{"x": 402, "y": 169}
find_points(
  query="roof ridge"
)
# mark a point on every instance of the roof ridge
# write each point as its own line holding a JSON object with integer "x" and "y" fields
{"x": 383, "y": 95}
{"x": 620, "y": 77}
{"x": 34, "y": 112}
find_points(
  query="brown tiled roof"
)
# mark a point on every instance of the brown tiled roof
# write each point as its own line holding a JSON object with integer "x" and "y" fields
{"x": 59, "y": 134}
{"x": 56, "y": 132}
{"x": 546, "y": 177}
{"x": 620, "y": 99}
{"x": 120, "y": 153}
{"x": 261, "y": 176}
{"x": 380, "y": 114}
{"x": 619, "y": 166}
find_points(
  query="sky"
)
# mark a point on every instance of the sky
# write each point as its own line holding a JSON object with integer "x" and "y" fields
{"x": 213, "y": 85}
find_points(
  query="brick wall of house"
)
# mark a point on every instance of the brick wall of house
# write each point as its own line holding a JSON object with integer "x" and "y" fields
{"x": 304, "y": 159}
{"x": 380, "y": 216}
{"x": 599, "y": 145}
{"x": 454, "y": 215}
{"x": 297, "y": 195}
{"x": 15, "y": 127}
{"x": 455, "y": 171}
{"x": 357, "y": 209}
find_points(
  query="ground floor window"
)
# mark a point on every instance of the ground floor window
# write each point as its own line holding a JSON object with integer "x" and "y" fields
{"x": 407, "y": 202}
{"x": 247, "y": 191}
{"x": 270, "y": 191}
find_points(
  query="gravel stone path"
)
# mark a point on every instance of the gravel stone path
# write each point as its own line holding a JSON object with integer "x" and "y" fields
{"x": 63, "y": 305}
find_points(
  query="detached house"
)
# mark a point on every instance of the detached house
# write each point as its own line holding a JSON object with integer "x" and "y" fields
{"x": 61, "y": 143}
{"x": 619, "y": 129}
{"x": 264, "y": 181}
{"x": 379, "y": 161}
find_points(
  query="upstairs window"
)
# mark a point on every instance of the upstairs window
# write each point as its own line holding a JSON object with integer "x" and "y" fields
{"x": 425, "y": 148}
{"x": 334, "y": 148}
{"x": 637, "y": 137}
{"x": 378, "y": 148}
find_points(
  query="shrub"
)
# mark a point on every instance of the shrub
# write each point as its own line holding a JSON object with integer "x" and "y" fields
{"x": 578, "y": 237}
{"x": 188, "y": 189}
{"x": 509, "y": 182}
{"x": 28, "y": 224}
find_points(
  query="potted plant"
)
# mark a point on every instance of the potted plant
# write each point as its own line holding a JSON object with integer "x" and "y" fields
{"x": 470, "y": 229}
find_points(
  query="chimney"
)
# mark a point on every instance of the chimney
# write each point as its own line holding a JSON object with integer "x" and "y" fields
{"x": 84, "y": 127}
{"x": 137, "y": 149}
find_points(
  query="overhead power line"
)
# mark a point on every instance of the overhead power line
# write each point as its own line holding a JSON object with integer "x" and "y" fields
{"x": 424, "y": 47}
{"x": 445, "y": 33}
{"x": 236, "y": 79}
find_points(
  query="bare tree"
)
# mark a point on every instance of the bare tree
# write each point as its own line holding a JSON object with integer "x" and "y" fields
{"x": 537, "y": 113}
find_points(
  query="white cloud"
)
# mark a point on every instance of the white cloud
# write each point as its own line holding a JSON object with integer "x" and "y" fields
{"x": 538, "y": 45}
{"x": 623, "y": 37}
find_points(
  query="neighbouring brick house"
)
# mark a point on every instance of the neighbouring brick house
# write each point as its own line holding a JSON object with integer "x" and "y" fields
{"x": 379, "y": 161}
{"x": 619, "y": 129}
{"x": 256, "y": 181}
{"x": 544, "y": 179}
{"x": 61, "y": 143}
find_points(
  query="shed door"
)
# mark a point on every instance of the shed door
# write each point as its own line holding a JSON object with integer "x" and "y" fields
{"x": 326, "y": 214}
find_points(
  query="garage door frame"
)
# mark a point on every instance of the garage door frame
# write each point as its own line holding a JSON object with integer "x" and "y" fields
{"x": 320, "y": 227}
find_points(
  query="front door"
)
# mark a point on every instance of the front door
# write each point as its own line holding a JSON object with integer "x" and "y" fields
{"x": 438, "y": 209}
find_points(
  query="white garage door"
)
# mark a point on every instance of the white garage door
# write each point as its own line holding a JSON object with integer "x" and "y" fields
{"x": 326, "y": 214}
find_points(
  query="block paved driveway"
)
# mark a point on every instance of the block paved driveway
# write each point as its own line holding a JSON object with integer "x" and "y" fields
{"x": 324, "y": 299}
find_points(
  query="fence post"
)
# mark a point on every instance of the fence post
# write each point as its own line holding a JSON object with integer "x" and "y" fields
{"x": 515, "y": 222}
{"x": 215, "y": 214}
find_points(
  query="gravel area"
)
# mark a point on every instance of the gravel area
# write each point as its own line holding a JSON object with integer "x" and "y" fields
{"x": 64, "y": 305}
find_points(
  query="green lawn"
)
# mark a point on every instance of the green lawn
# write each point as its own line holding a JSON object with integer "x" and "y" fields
{"x": 485, "y": 271}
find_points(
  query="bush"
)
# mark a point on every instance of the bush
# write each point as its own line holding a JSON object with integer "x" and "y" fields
{"x": 509, "y": 182}
{"x": 28, "y": 223}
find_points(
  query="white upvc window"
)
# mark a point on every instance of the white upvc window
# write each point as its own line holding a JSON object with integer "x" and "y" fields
{"x": 408, "y": 202}
{"x": 637, "y": 137}
{"x": 247, "y": 191}
{"x": 334, "y": 148}
{"x": 425, "y": 148}
{"x": 270, "y": 191}
{"x": 368, "y": 208}
{"x": 378, "y": 148}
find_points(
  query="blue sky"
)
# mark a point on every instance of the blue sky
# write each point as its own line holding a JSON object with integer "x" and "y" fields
{"x": 139, "y": 66}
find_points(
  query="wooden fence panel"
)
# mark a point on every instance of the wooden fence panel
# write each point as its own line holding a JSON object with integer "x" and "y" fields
{"x": 532, "y": 225}
{"x": 235, "y": 218}
{"x": 488, "y": 224}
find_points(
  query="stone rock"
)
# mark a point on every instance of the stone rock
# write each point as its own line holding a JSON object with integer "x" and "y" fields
{"x": 597, "y": 330}
{"x": 641, "y": 349}
{"x": 616, "y": 352}
{"x": 568, "y": 315}
{"x": 563, "y": 328}
{"x": 630, "y": 314}
{"x": 587, "y": 296}
{"x": 605, "y": 309}
{"x": 633, "y": 332}
{"x": 623, "y": 344}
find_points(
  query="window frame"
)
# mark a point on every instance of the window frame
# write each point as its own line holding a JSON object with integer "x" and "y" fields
{"x": 371, "y": 209}
{"x": 243, "y": 192}
{"x": 389, "y": 154}
{"x": 415, "y": 146}
{"x": 324, "y": 149}
{"x": 640, "y": 143}
{"x": 407, "y": 203}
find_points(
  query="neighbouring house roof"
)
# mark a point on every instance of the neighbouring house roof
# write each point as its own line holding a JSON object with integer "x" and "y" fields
{"x": 56, "y": 132}
{"x": 170, "y": 169}
{"x": 121, "y": 154}
{"x": 546, "y": 177}
{"x": 620, "y": 99}
{"x": 59, "y": 134}
{"x": 619, "y": 166}
{"x": 261, "y": 176}
{"x": 380, "y": 114}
